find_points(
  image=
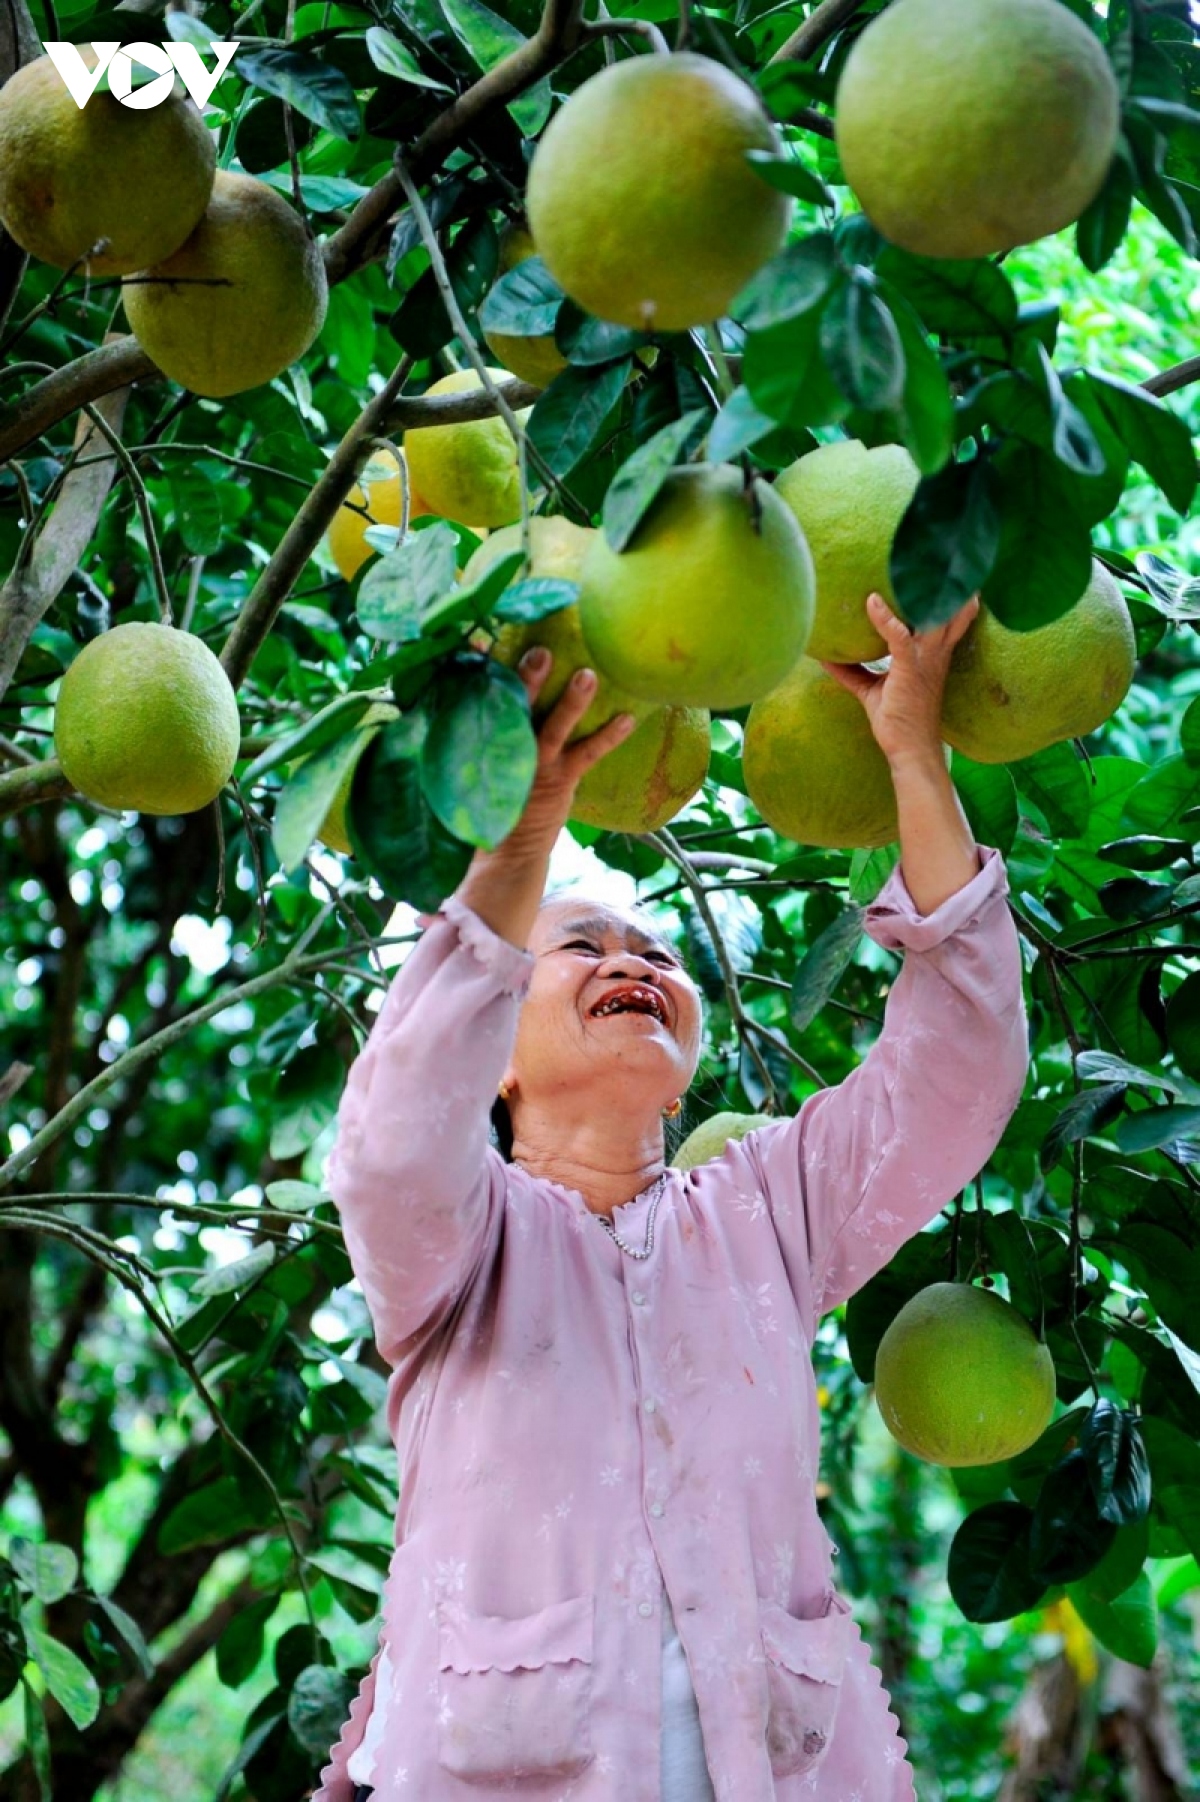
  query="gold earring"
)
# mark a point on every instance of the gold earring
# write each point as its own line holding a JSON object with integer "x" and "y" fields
{"x": 676, "y": 1107}
{"x": 503, "y": 1091}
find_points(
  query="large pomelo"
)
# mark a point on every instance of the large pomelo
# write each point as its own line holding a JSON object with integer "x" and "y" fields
{"x": 961, "y": 1377}
{"x": 467, "y": 472}
{"x": 968, "y": 128}
{"x": 709, "y": 1139}
{"x": 640, "y": 198}
{"x": 375, "y": 500}
{"x": 537, "y": 360}
{"x": 1009, "y": 694}
{"x": 849, "y": 501}
{"x": 812, "y": 766}
{"x": 648, "y": 778}
{"x": 558, "y": 549}
{"x": 242, "y": 297}
{"x": 71, "y": 176}
{"x": 147, "y": 718}
{"x": 711, "y": 603}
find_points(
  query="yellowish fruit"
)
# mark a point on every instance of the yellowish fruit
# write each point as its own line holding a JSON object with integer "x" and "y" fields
{"x": 240, "y": 300}
{"x": 812, "y": 766}
{"x": 559, "y": 549}
{"x": 536, "y": 360}
{"x": 649, "y": 777}
{"x": 962, "y": 1379}
{"x": 966, "y": 129}
{"x": 711, "y": 603}
{"x": 710, "y": 1138}
{"x": 147, "y": 718}
{"x": 467, "y": 472}
{"x": 69, "y": 177}
{"x": 849, "y": 501}
{"x": 332, "y": 830}
{"x": 641, "y": 200}
{"x": 1009, "y": 694}
{"x": 380, "y": 494}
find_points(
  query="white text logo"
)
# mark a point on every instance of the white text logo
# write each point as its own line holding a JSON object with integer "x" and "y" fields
{"x": 164, "y": 60}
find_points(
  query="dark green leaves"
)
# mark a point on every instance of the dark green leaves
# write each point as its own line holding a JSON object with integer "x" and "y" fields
{"x": 861, "y": 345}
{"x": 1067, "y": 1535}
{"x": 822, "y": 967}
{"x": 1154, "y": 436}
{"x": 1117, "y": 1469}
{"x": 1083, "y": 1115}
{"x": 315, "y": 88}
{"x": 567, "y": 417}
{"x": 968, "y": 299}
{"x": 1044, "y": 556}
{"x": 488, "y": 39}
{"x": 479, "y": 755}
{"x": 790, "y": 177}
{"x": 394, "y": 831}
{"x": 534, "y": 598}
{"x": 946, "y": 543}
{"x": 989, "y": 1569}
{"x": 1104, "y": 223}
{"x": 792, "y": 283}
{"x": 524, "y": 303}
{"x": 393, "y": 58}
{"x": 633, "y": 489}
{"x": 396, "y": 592}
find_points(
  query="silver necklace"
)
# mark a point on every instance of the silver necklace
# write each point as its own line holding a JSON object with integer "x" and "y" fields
{"x": 656, "y": 1190}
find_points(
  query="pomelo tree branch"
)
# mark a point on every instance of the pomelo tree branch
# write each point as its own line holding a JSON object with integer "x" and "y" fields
{"x": 1170, "y": 381}
{"x": 816, "y": 31}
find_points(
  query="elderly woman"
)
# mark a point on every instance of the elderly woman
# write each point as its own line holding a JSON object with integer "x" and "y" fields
{"x": 610, "y": 1581}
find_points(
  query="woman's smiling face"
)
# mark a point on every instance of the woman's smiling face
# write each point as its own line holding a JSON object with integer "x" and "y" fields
{"x": 608, "y": 996}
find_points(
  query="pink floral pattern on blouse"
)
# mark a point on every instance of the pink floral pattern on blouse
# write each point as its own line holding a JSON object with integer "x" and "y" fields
{"x": 575, "y": 1428}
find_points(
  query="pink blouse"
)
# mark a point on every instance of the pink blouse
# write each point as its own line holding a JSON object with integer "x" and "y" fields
{"x": 577, "y": 1430}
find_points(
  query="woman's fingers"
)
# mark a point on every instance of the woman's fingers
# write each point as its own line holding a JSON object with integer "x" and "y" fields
{"x": 566, "y": 713}
{"x": 533, "y": 669}
{"x": 853, "y": 676}
{"x": 586, "y": 751}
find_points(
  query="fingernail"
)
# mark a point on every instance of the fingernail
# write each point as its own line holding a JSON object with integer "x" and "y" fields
{"x": 626, "y": 722}
{"x": 535, "y": 657}
{"x": 582, "y": 677}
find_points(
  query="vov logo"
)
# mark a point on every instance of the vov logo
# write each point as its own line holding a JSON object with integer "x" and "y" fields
{"x": 164, "y": 60}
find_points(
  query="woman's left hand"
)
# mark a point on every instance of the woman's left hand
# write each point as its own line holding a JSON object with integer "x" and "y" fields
{"x": 904, "y": 705}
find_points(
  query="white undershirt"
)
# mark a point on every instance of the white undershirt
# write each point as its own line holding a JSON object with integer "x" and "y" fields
{"x": 683, "y": 1772}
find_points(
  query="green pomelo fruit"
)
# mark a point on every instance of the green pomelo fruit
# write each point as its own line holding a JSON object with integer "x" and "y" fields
{"x": 711, "y": 603}
{"x": 643, "y": 782}
{"x": 147, "y": 718}
{"x": 69, "y": 177}
{"x": 962, "y": 1379}
{"x": 558, "y": 549}
{"x": 1009, "y": 694}
{"x": 640, "y": 198}
{"x": 812, "y": 766}
{"x": 849, "y": 501}
{"x": 467, "y": 472}
{"x": 537, "y": 360}
{"x": 712, "y": 1136}
{"x": 332, "y": 831}
{"x": 243, "y": 297}
{"x": 967, "y": 129}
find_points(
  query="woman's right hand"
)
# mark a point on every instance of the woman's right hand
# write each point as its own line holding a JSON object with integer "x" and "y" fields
{"x": 504, "y": 885}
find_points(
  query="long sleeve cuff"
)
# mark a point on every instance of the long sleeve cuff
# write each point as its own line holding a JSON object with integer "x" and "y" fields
{"x": 510, "y": 966}
{"x": 892, "y": 919}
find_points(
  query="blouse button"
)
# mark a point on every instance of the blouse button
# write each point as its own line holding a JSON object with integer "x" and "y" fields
{"x": 639, "y": 1300}
{"x": 656, "y": 1509}
{"x": 649, "y": 1404}
{"x": 645, "y": 1608}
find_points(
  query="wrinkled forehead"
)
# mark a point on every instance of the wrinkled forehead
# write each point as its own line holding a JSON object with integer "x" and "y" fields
{"x": 573, "y": 915}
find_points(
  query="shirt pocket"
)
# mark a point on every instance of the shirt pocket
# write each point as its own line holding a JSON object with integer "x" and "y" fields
{"x": 515, "y": 1695}
{"x": 805, "y": 1662}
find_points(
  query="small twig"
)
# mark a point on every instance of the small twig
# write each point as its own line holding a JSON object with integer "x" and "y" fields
{"x": 642, "y": 28}
{"x": 816, "y": 31}
{"x": 683, "y": 36}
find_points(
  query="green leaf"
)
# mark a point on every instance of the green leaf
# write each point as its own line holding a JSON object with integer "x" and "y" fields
{"x": 1183, "y": 1024}
{"x": 1074, "y": 442}
{"x": 393, "y": 830}
{"x": 1156, "y": 1126}
{"x": 213, "y": 1514}
{"x": 1044, "y": 560}
{"x": 240, "y": 1648}
{"x": 869, "y": 870}
{"x": 823, "y": 966}
{"x": 1083, "y": 1116}
{"x": 48, "y": 1569}
{"x": 301, "y": 805}
{"x": 535, "y": 598}
{"x": 1144, "y": 852}
{"x": 1102, "y": 1066}
{"x": 861, "y": 346}
{"x": 792, "y": 283}
{"x": 1103, "y": 224}
{"x": 128, "y": 1630}
{"x": 67, "y": 1677}
{"x": 567, "y": 418}
{"x": 638, "y": 482}
{"x": 790, "y": 177}
{"x": 488, "y": 39}
{"x": 480, "y": 752}
{"x": 1120, "y": 1565}
{"x": 989, "y": 799}
{"x": 1057, "y": 780}
{"x": 37, "y": 1738}
{"x": 946, "y": 543}
{"x": 1163, "y": 796}
{"x": 395, "y": 593}
{"x": 1189, "y": 732}
{"x": 227, "y": 1278}
{"x": 739, "y": 425}
{"x": 926, "y": 405}
{"x": 786, "y": 376}
{"x": 316, "y": 89}
{"x": 1127, "y": 1626}
{"x": 988, "y": 1568}
{"x": 1116, "y": 1462}
{"x": 960, "y": 299}
{"x": 1154, "y": 436}
{"x": 393, "y": 58}
{"x": 1067, "y": 1535}
{"x": 317, "y": 1707}
{"x": 524, "y": 303}
{"x": 589, "y": 342}
{"x": 474, "y": 600}
{"x": 197, "y": 508}
{"x": 921, "y": 1260}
